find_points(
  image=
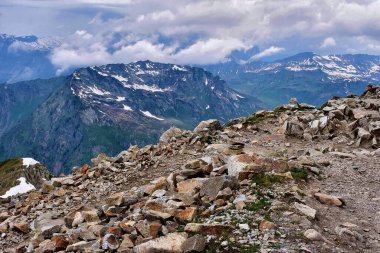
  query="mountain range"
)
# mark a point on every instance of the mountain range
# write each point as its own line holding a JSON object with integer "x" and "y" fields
{"x": 109, "y": 108}
{"x": 310, "y": 77}
{"x": 64, "y": 121}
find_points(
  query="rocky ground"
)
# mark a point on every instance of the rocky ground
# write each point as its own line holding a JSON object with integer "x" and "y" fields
{"x": 296, "y": 179}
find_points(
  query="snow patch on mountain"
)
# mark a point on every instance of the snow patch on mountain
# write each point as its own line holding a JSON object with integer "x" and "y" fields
{"x": 148, "y": 72}
{"x": 98, "y": 91}
{"x": 23, "y": 187}
{"x": 150, "y": 115}
{"x": 120, "y": 99}
{"x": 120, "y": 78}
{"x": 176, "y": 67}
{"x": 145, "y": 87}
{"x": 29, "y": 161}
{"x": 127, "y": 108}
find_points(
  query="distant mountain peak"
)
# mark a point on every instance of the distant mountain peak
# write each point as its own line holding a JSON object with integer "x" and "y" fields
{"x": 107, "y": 108}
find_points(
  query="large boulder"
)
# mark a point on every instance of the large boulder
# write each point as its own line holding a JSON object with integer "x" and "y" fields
{"x": 213, "y": 185}
{"x": 169, "y": 134}
{"x": 374, "y": 128}
{"x": 196, "y": 243}
{"x": 242, "y": 166}
{"x": 328, "y": 199}
{"x": 208, "y": 125}
{"x": 292, "y": 128}
{"x": 172, "y": 243}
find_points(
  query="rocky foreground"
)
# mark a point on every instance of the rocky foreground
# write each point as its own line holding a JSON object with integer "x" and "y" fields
{"x": 296, "y": 179}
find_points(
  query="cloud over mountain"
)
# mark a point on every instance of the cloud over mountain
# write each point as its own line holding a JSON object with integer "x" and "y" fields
{"x": 200, "y": 31}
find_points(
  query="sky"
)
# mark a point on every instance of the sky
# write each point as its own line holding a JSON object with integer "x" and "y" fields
{"x": 95, "y": 32}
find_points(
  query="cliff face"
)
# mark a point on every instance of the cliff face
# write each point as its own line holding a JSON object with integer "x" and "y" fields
{"x": 297, "y": 178}
{"x": 19, "y": 100}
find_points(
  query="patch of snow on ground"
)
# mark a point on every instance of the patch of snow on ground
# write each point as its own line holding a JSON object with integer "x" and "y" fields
{"x": 148, "y": 114}
{"x": 127, "y": 108}
{"x": 23, "y": 187}
{"x": 29, "y": 161}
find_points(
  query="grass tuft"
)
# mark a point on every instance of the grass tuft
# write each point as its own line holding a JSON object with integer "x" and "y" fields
{"x": 266, "y": 180}
{"x": 299, "y": 173}
{"x": 262, "y": 203}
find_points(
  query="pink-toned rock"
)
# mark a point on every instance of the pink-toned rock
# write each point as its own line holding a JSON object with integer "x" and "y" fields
{"x": 266, "y": 225}
{"x": 242, "y": 166}
{"x": 22, "y": 227}
{"x": 186, "y": 215}
{"x": 209, "y": 229}
{"x": 328, "y": 199}
{"x": 84, "y": 169}
{"x": 159, "y": 183}
{"x": 190, "y": 186}
{"x": 60, "y": 242}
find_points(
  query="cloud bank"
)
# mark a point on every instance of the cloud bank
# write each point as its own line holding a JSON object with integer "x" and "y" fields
{"x": 198, "y": 31}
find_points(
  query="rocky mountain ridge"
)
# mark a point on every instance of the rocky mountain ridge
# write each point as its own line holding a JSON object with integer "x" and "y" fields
{"x": 295, "y": 179}
{"x": 346, "y": 67}
{"x": 308, "y": 76}
{"x": 311, "y": 77}
{"x": 106, "y": 109}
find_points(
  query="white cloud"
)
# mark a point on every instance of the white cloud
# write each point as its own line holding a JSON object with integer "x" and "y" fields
{"x": 201, "y": 52}
{"x": 267, "y": 52}
{"x": 208, "y": 51}
{"x": 328, "y": 42}
{"x": 196, "y": 31}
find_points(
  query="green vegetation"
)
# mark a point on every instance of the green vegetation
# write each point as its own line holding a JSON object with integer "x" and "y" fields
{"x": 11, "y": 170}
{"x": 261, "y": 204}
{"x": 251, "y": 249}
{"x": 214, "y": 246}
{"x": 274, "y": 245}
{"x": 9, "y": 173}
{"x": 280, "y": 153}
{"x": 266, "y": 180}
{"x": 299, "y": 173}
{"x": 257, "y": 118}
{"x": 9, "y": 166}
{"x": 279, "y": 110}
